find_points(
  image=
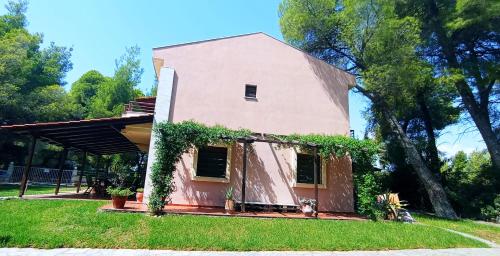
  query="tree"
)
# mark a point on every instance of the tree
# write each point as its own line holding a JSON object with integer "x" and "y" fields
{"x": 27, "y": 72}
{"x": 472, "y": 183}
{"x": 85, "y": 88}
{"x": 367, "y": 39}
{"x": 31, "y": 79}
{"x": 120, "y": 89}
{"x": 462, "y": 42}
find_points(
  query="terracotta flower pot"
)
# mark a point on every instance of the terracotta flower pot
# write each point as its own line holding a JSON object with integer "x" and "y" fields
{"x": 139, "y": 196}
{"x": 229, "y": 206}
{"x": 307, "y": 210}
{"x": 119, "y": 201}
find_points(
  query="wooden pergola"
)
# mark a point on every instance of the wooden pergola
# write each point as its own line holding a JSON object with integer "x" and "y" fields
{"x": 274, "y": 139}
{"x": 99, "y": 137}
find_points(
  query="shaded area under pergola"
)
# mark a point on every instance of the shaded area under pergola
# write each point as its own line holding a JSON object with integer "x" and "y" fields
{"x": 103, "y": 136}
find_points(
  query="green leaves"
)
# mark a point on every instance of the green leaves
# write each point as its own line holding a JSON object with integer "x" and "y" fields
{"x": 171, "y": 141}
{"x": 174, "y": 139}
{"x": 30, "y": 76}
{"x": 101, "y": 96}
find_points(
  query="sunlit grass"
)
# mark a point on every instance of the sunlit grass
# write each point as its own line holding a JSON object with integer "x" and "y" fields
{"x": 488, "y": 232}
{"x": 13, "y": 189}
{"x": 65, "y": 223}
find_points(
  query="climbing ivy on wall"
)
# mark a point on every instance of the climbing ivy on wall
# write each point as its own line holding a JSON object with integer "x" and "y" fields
{"x": 368, "y": 182}
{"x": 174, "y": 139}
{"x": 171, "y": 141}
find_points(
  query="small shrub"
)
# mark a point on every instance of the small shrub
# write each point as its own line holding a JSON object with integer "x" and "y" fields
{"x": 229, "y": 193}
{"x": 119, "y": 191}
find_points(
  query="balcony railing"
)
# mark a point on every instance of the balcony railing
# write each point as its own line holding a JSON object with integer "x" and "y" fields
{"x": 140, "y": 106}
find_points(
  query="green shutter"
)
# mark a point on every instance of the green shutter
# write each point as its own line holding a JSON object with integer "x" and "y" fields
{"x": 212, "y": 162}
{"x": 305, "y": 169}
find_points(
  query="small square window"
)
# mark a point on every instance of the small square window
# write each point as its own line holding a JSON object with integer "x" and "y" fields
{"x": 212, "y": 162}
{"x": 305, "y": 169}
{"x": 251, "y": 91}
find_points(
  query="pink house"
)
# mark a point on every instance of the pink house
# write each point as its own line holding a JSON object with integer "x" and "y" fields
{"x": 256, "y": 82}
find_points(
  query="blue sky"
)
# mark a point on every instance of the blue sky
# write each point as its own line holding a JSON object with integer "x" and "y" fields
{"x": 99, "y": 31}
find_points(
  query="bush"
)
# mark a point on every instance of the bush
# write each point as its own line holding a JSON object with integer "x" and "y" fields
{"x": 492, "y": 212}
{"x": 472, "y": 185}
{"x": 367, "y": 186}
{"x": 119, "y": 191}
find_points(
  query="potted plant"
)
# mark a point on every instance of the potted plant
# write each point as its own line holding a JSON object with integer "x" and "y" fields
{"x": 307, "y": 206}
{"x": 139, "y": 195}
{"x": 229, "y": 206}
{"x": 119, "y": 196}
{"x": 391, "y": 205}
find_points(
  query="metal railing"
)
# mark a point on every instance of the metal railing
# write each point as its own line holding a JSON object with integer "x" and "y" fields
{"x": 43, "y": 175}
{"x": 138, "y": 106}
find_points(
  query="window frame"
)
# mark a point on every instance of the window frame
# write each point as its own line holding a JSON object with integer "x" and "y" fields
{"x": 249, "y": 97}
{"x": 194, "y": 167}
{"x": 322, "y": 184}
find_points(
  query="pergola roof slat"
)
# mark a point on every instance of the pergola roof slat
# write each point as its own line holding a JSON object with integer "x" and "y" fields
{"x": 97, "y": 136}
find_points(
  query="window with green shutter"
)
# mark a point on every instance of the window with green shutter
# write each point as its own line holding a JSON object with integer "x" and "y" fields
{"x": 212, "y": 162}
{"x": 305, "y": 169}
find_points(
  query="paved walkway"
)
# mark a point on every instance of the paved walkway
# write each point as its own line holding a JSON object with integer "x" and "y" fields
{"x": 111, "y": 252}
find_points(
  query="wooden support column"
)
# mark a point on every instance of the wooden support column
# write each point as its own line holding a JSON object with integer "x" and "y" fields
{"x": 62, "y": 159}
{"x": 316, "y": 192}
{"x": 244, "y": 176}
{"x": 82, "y": 171}
{"x": 27, "y": 167}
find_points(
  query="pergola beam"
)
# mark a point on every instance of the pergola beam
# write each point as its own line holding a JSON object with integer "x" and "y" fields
{"x": 27, "y": 167}
{"x": 82, "y": 171}
{"x": 244, "y": 176}
{"x": 62, "y": 159}
{"x": 316, "y": 192}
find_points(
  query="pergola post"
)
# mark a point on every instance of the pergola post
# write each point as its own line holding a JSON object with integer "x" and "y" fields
{"x": 27, "y": 167}
{"x": 244, "y": 176}
{"x": 80, "y": 178}
{"x": 316, "y": 192}
{"x": 62, "y": 159}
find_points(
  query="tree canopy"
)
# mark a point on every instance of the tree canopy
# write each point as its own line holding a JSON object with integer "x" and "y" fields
{"x": 100, "y": 96}
{"x": 369, "y": 39}
{"x": 31, "y": 77}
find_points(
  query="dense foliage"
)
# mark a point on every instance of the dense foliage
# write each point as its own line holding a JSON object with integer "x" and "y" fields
{"x": 368, "y": 39}
{"x": 32, "y": 80}
{"x": 99, "y": 96}
{"x": 460, "y": 40}
{"x": 473, "y": 185}
{"x": 172, "y": 140}
{"x": 31, "y": 77}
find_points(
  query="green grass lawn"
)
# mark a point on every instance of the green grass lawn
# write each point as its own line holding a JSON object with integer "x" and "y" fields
{"x": 485, "y": 231}
{"x": 65, "y": 223}
{"x": 13, "y": 190}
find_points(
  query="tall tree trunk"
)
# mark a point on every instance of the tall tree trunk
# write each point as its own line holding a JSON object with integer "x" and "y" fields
{"x": 437, "y": 195}
{"x": 432, "y": 151}
{"x": 481, "y": 118}
{"x": 477, "y": 110}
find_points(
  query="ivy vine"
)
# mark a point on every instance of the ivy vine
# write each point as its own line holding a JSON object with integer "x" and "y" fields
{"x": 171, "y": 141}
{"x": 174, "y": 139}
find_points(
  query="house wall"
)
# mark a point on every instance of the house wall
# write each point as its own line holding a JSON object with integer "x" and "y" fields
{"x": 296, "y": 93}
{"x": 269, "y": 180}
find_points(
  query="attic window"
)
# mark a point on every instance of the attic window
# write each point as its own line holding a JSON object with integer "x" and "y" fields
{"x": 251, "y": 91}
